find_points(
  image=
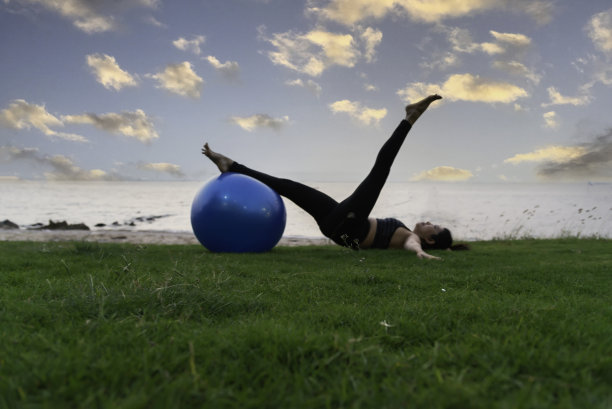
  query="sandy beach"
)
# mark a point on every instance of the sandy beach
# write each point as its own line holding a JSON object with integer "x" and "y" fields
{"x": 132, "y": 236}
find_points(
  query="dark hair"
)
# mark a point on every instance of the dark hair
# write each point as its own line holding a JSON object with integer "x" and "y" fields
{"x": 443, "y": 241}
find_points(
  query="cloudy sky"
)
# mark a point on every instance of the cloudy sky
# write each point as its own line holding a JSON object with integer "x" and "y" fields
{"x": 107, "y": 90}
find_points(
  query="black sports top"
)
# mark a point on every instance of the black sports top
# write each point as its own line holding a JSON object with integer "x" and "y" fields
{"x": 384, "y": 231}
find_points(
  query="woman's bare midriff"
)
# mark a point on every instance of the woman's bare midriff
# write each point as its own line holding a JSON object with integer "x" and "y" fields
{"x": 397, "y": 240}
{"x": 369, "y": 239}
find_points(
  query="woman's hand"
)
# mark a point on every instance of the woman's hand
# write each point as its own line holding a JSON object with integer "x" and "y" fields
{"x": 422, "y": 255}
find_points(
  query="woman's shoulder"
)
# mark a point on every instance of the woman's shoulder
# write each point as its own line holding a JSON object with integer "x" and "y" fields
{"x": 400, "y": 235}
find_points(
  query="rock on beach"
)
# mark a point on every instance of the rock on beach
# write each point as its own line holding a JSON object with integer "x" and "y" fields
{"x": 63, "y": 225}
{"x": 8, "y": 225}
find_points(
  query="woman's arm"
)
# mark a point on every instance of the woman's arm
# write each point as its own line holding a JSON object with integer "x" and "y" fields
{"x": 413, "y": 243}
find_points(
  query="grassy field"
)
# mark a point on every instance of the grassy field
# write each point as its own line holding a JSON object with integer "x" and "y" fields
{"x": 510, "y": 324}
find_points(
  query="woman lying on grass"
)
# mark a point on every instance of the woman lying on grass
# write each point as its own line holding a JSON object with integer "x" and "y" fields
{"x": 348, "y": 223}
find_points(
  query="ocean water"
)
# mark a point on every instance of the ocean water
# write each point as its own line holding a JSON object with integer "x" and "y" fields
{"x": 470, "y": 211}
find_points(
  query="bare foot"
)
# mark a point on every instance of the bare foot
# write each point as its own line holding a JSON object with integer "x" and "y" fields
{"x": 222, "y": 162}
{"x": 414, "y": 111}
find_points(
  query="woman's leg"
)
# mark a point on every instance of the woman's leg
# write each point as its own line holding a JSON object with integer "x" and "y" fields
{"x": 347, "y": 224}
{"x": 361, "y": 202}
{"x": 314, "y": 202}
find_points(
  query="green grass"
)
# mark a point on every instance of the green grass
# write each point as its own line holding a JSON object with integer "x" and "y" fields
{"x": 510, "y": 324}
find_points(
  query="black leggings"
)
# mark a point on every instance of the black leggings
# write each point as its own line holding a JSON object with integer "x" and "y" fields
{"x": 346, "y": 223}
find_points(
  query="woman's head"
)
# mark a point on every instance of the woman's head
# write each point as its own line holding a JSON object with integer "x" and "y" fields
{"x": 436, "y": 237}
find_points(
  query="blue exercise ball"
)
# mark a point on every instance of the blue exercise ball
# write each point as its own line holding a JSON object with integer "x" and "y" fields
{"x": 235, "y": 213}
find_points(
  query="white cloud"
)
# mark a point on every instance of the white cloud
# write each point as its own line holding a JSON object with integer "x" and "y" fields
{"x": 460, "y": 39}
{"x": 507, "y": 49}
{"x": 550, "y": 119}
{"x": 557, "y": 99}
{"x": 22, "y": 115}
{"x": 511, "y": 39}
{"x": 310, "y": 85}
{"x": 587, "y": 161}
{"x": 293, "y": 51}
{"x": 192, "y": 45}
{"x": 491, "y": 48}
{"x": 540, "y": 11}
{"x": 554, "y": 153}
{"x": 163, "y": 167}
{"x": 363, "y": 114}
{"x": 371, "y": 38}
{"x": 441, "y": 61}
{"x": 155, "y": 22}
{"x": 508, "y": 45}
{"x": 253, "y": 122}
{"x": 370, "y": 87}
{"x": 63, "y": 168}
{"x": 229, "y": 69}
{"x": 8, "y": 152}
{"x": 518, "y": 69}
{"x": 133, "y": 124}
{"x": 108, "y": 73}
{"x": 317, "y": 50}
{"x": 350, "y": 12}
{"x": 599, "y": 29}
{"x": 465, "y": 87}
{"x": 89, "y": 16}
{"x": 299, "y": 52}
{"x": 180, "y": 79}
{"x": 444, "y": 173}
{"x": 597, "y": 68}
{"x": 337, "y": 48}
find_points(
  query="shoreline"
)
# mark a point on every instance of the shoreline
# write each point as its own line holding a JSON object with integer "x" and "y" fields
{"x": 134, "y": 237}
{"x": 167, "y": 237}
